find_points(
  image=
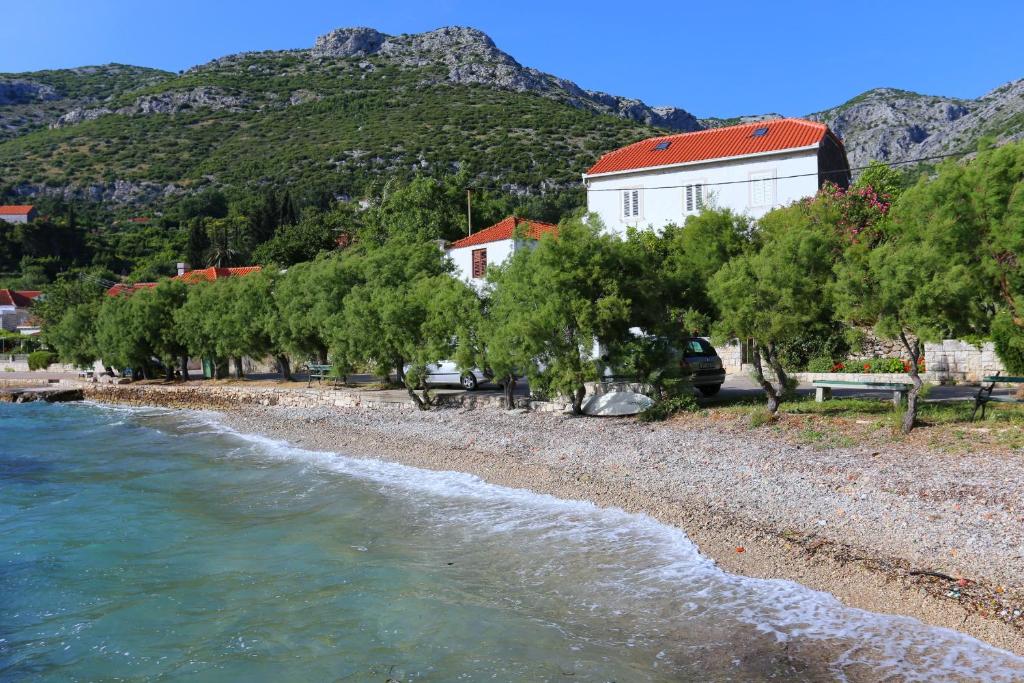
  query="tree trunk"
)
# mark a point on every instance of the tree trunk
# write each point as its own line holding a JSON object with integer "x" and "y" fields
{"x": 183, "y": 364}
{"x": 510, "y": 389}
{"x": 169, "y": 372}
{"x": 577, "y": 399}
{"x": 766, "y": 386}
{"x": 238, "y": 367}
{"x": 780, "y": 372}
{"x": 914, "y": 351}
{"x": 284, "y": 367}
{"x": 420, "y": 403}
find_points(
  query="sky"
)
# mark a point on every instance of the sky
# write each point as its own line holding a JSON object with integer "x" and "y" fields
{"x": 711, "y": 58}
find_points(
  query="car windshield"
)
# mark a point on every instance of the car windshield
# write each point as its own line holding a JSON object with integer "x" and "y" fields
{"x": 697, "y": 347}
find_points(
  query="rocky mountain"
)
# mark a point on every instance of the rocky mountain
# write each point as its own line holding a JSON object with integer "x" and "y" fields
{"x": 360, "y": 105}
{"x": 897, "y": 125}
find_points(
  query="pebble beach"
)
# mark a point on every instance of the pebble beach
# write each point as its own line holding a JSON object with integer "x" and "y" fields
{"x": 922, "y": 534}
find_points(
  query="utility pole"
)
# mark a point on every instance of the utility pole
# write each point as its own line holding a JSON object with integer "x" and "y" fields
{"x": 469, "y": 209}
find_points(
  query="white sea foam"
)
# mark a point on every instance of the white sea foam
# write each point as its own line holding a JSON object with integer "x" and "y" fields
{"x": 899, "y": 647}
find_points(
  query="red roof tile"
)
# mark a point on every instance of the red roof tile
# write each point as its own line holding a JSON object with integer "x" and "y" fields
{"x": 123, "y": 288}
{"x": 15, "y": 210}
{"x": 716, "y": 143}
{"x": 19, "y": 298}
{"x": 214, "y": 273}
{"x": 503, "y": 230}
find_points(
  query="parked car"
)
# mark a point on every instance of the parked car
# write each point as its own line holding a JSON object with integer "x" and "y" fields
{"x": 447, "y": 372}
{"x": 701, "y": 361}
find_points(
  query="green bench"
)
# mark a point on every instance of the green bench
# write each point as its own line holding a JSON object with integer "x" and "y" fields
{"x": 984, "y": 396}
{"x": 317, "y": 371}
{"x": 823, "y": 388}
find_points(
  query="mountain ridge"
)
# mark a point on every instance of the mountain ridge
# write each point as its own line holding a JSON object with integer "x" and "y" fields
{"x": 88, "y": 133}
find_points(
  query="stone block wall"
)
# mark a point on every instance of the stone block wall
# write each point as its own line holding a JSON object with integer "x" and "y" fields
{"x": 955, "y": 360}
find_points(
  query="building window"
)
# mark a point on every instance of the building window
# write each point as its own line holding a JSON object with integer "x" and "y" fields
{"x": 630, "y": 204}
{"x": 762, "y": 189}
{"x": 694, "y": 197}
{"x": 479, "y": 263}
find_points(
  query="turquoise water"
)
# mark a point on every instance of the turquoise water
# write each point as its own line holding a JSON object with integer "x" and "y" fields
{"x": 157, "y": 545}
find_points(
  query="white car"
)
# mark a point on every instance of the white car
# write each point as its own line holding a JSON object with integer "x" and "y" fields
{"x": 447, "y": 372}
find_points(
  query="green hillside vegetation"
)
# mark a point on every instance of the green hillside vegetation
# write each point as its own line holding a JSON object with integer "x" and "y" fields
{"x": 352, "y": 121}
{"x": 80, "y": 87}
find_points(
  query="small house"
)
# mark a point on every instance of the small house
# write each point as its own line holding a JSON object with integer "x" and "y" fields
{"x": 472, "y": 255}
{"x": 15, "y": 307}
{"x": 18, "y": 213}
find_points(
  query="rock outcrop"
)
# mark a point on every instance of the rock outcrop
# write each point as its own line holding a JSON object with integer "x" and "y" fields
{"x": 469, "y": 57}
{"x": 170, "y": 102}
{"x": 20, "y": 91}
{"x": 897, "y": 125}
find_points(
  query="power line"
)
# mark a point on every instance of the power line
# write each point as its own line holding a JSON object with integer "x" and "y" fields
{"x": 750, "y": 180}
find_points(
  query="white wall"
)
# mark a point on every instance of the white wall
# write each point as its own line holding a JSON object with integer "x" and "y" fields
{"x": 497, "y": 253}
{"x": 659, "y": 207}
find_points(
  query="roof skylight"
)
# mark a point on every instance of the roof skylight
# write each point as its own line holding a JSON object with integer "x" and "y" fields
{"x": 662, "y": 146}
{"x": 759, "y": 133}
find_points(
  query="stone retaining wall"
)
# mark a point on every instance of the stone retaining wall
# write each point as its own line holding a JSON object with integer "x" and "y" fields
{"x": 955, "y": 360}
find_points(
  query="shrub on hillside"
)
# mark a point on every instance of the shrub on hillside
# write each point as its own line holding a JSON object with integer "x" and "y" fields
{"x": 40, "y": 360}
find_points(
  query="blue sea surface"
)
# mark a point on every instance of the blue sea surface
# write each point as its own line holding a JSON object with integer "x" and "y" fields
{"x": 153, "y": 545}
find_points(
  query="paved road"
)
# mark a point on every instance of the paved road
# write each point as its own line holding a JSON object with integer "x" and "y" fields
{"x": 736, "y": 387}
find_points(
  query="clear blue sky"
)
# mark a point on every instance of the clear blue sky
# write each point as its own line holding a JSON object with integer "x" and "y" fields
{"x": 711, "y": 58}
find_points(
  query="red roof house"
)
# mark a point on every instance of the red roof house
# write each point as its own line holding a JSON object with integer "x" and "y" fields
{"x": 750, "y": 168}
{"x": 17, "y": 213}
{"x": 492, "y": 246}
{"x": 14, "y": 307}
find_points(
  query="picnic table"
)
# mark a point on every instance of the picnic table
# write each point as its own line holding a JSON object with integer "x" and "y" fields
{"x": 984, "y": 396}
{"x": 823, "y": 388}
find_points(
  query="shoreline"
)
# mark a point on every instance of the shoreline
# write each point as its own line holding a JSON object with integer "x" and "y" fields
{"x": 548, "y": 453}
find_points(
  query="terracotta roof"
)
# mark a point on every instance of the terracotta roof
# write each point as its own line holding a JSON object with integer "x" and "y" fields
{"x": 716, "y": 143}
{"x": 123, "y": 288}
{"x": 19, "y": 298}
{"x": 214, "y": 273}
{"x": 503, "y": 230}
{"x": 15, "y": 210}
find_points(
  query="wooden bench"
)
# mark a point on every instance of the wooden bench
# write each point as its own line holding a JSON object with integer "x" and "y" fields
{"x": 823, "y": 388}
{"x": 984, "y": 396}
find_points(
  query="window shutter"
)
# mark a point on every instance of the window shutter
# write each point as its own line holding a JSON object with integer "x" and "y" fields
{"x": 689, "y": 198}
{"x": 479, "y": 263}
{"x": 699, "y": 192}
{"x": 630, "y": 203}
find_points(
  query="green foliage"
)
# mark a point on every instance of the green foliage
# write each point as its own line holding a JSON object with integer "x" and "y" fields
{"x": 315, "y": 233}
{"x": 662, "y": 410}
{"x": 552, "y": 302}
{"x": 820, "y": 364}
{"x": 1008, "y": 339}
{"x": 669, "y": 273}
{"x": 779, "y": 294}
{"x": 40, "y": 360}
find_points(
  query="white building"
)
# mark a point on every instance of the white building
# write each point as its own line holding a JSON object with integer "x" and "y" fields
{"x": 17, "y": 214}
{"x": 492, "y": 246}
{"x": 750, "y": 168}
{"x": 14, "y": 308}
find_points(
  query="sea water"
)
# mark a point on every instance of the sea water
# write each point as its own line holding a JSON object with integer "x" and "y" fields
{"x": 147, "y": 544}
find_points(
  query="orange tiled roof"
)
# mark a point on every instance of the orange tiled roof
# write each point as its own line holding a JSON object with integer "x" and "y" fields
{"x": 19, "y": 298}
{"x": 503, "y": 230}
{"x": 15, "y": 210}
{"x": 716, "y": 143}
{"x": 213, "y": 273}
